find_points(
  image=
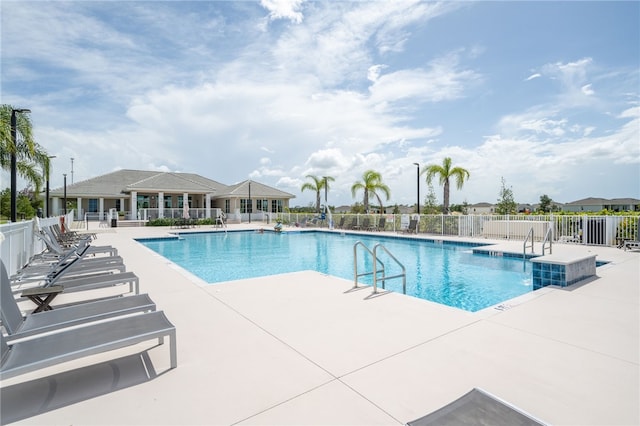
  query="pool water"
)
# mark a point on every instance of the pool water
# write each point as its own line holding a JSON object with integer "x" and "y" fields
{"x": 445, "y": 273}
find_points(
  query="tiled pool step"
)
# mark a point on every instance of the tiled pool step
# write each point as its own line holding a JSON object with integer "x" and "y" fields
{"x": 554, "y": 269}
{"x": 562, "y": 270}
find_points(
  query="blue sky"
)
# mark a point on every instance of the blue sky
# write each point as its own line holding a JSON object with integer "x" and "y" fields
{"x": 543, "y": 94}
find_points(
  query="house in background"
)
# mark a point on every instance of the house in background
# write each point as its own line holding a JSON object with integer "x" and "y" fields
{"x": 599, "y": 204}
{"x": 145, "y": 195}
{"x": 481, "y": 208}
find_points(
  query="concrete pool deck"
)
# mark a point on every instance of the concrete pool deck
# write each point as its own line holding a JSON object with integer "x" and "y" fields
{"x": 301, "y": 348}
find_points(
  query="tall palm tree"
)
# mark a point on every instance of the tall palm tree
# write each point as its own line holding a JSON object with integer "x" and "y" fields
{"x": 371, "y": 183}
{"x": 29, "y": 155}
{"x": 445, "y": 172}
{"x": 317, "y": 185}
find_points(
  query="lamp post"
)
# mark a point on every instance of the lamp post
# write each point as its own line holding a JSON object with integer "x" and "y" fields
{"x": 65, "y": 193}
{"x": 418, "y": 181}
{"x": 48, "y": 171}
{"x": 250, "y": 204}
{"x": 14, "y": 161}
{"x": 326, "y": 207}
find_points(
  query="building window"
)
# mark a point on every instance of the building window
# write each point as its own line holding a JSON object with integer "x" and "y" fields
{"x": 262, "y": 205}
{"x": 93, "y": 205}
{"x": 181, "y": 203}
{"x": 276, "y": 206}
{"x": 227, "y": 206}
{"x": 167, "y": 202}
{"x": 143, "y": 201}
{"x": 119, "y": 206}
{"x": 246, "y": 206}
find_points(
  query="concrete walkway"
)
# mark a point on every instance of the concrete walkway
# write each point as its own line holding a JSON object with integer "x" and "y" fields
{"x": 301, "y": 348}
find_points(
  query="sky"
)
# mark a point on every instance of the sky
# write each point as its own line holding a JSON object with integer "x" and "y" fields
{"x": 542, "y": 94}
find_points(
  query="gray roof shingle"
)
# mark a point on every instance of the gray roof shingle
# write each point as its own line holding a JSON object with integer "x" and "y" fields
{"x": 122, "y": 182}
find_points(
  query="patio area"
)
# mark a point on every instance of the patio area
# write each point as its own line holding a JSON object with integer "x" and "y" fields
{"x": 301, "y": 348}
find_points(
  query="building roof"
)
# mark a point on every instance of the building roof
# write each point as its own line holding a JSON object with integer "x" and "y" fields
{"x": 122, "y": 182}
{"x": 592, "y": 201}
{"x": 257, "y": 190}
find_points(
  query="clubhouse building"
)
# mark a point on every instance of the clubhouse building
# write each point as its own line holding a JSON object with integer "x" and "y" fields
{"x": 146, "y": 195}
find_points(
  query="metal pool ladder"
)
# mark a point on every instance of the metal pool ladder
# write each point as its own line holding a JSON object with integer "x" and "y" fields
{"x": 375, "y": 272}
{"x": 525, "y": 245}
{"x": 548, "y": 238}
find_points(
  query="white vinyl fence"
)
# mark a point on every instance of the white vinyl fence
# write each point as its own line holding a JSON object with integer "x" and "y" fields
{"x": 580, "y": 229}
{"x": 18, "y": 241}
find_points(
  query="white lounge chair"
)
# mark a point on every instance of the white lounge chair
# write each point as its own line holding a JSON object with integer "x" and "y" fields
{"x": 477, "y": 407}
{"x": 71, "y": 264}
{"x": 18, "y": 327}
{"x": 74, "y": 343}
{"x": 55, "y": 247}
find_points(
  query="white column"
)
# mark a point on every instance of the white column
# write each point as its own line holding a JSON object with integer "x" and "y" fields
{"x": 185, "y": 201}
{"x": 207, "y": 206}
{"x": 79, "y": 209}
{"x": 101, "y": 208}
{"x": 160, "y": 204}
{"x": 134, "y": 205}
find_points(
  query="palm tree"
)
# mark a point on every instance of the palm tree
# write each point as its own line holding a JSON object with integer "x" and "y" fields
{"x": 317, "y": 185}
{"x": 445, "y": 172}
{"x": 29, "y": 154}
{"x": 371, "y": 182}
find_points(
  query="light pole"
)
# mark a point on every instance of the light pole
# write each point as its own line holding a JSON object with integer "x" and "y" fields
{"x": 418, "y": 181}
{"x": 47, "y": 180}
{"x": 65, "y": 193}
{"x": 326, "y": 207}
{"x": 14, "y": 161}
{"x": 71, "y": 170}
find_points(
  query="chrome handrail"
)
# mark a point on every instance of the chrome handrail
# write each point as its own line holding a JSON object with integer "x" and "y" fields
{"x": 524, "y": 245}
{"x": 355, "y": 264}
{"x": 375, "y": 272}
{"x": 384, "y": 278}
{"x": 548, "y": 237}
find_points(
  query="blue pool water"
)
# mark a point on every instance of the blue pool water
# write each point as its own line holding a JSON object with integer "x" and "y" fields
{"x": 441, "y": 272}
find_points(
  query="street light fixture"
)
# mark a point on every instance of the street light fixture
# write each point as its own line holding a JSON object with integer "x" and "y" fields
{"x": 14, "y": 161}
{"x": 418, "y": 181}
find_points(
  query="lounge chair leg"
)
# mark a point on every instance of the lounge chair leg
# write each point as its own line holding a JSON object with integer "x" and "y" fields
{"x": 174, "y": 350}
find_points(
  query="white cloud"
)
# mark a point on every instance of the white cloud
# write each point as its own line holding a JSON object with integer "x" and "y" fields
{"x": 587, "y": 90}
{"x": 443, "y": 81}
{"x": 284, "y": 9}
{"x": 575, "y": 90}
{"x": 374, "y": 72}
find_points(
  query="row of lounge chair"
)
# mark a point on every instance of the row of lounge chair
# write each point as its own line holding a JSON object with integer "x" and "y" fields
{"x": 53, "y": 334}
{"x": 366, "y": 225}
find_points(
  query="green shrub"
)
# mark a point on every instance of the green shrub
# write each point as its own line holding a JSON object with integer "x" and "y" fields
{"x": 162, "y": 221}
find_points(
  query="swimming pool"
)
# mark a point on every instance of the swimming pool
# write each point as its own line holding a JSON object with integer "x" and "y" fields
{"x": 442, "y": 272}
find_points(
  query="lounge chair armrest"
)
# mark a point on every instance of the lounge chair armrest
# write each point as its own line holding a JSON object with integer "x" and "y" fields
{"x": 37, "y": 291}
